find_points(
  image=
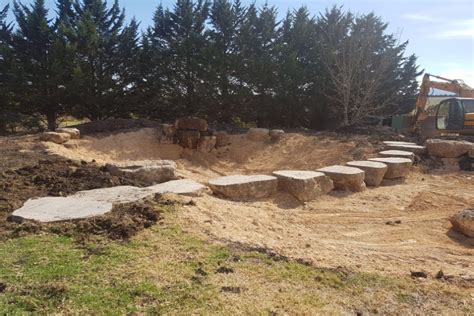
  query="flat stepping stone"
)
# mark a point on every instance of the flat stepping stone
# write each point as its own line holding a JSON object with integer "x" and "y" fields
{"x": 463, "y": 222}
{"x": 416, "y": 149}
{"x": 182, "y": 187}
{"x": 397, "y": 167}
{"x": 398, "y": 153}
{"x": 55, "y": 209}
{"x": 303, "y": 185}
{"x": 244, "y": 187}
{"x": 120, "y": 194}
{"x": 345, "y": 178}
{"x": 374, "y": 171}
{"x": 395, "y": 143}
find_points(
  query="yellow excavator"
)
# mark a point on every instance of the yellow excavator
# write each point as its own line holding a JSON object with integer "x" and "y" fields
{"x": 452, "y": 116}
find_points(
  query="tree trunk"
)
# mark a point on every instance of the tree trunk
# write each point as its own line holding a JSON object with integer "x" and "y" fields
{"x": 51, "y": 118}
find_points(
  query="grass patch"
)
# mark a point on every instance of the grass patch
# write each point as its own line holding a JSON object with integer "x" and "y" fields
{"x": 166, "y": 270}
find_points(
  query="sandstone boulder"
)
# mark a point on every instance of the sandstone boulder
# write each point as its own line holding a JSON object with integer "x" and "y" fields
{"x": 345, "y": 178}
{"x": 258, "y": 134}
{"x": 448, "y": 148}
{"x": 58, "y": 138}
{"x": 276, "y": 134}
{"x": 167, "y": 134}
{"x": 303, "y": 185}
{"x": 463, "y": 222}
{"x": 188, "y": 138}
{"x": 397, "y": 167}
{"x": 206, "y": 144}
{"x": 416, "y": 149}
{"x": 73, "y": 132}
{"x": 158, "y": 172}
{"x": 241, "y": 187}
{"x": 374, "y": 171}
{"x": 191, "y": 123}
{"x": 398, "y": 153}
{"x": 222, "y": 139}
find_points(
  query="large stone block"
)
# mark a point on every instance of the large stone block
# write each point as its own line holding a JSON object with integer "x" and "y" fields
{"x": 158, "y": 172}
{"x": 463, "y": 222}
{"x": 222, "y": 139}
{"x": 374, "y": 171}
{"x": 345, "y": 178}
{"x": 206, "y": 144}
{"x": 241, "y": 187}
{"x": 73, "y": 132}
{"x": 303, "y": 185}
{"x": 188, "y": 138}
{"x": 395, "y": 143}
{"x": 58, "y": 138}
{"x": 276, "y": 134}
{"x": 397, "y": 167}
{"x": 258, "y": 134}
{"x": 448, "y": 148}
{"x": 398, "y": 153}
{"x": 192, "y": 123}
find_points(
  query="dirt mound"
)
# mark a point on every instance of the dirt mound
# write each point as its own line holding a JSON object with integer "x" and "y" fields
{"x": 114, "y": 125}
{"x": 122, "y": 223}
{"x": 52, "y": 177}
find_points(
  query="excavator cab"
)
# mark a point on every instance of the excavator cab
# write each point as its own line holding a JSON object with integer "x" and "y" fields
{"x": 456, "y": 115}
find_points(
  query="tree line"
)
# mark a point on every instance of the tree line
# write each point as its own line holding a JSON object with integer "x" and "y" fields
{"x": 220, "y": 60}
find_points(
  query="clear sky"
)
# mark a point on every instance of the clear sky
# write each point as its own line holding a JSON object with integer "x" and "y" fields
{"x": 440, "y": 32}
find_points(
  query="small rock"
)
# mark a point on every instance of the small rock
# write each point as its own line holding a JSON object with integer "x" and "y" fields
{"x": 463, "y": 222}
{"x": 276, "y": 134}
{"x": 225, "y": 270}
{"x": 58, "y": 138}
{"x": 73, "y": 132}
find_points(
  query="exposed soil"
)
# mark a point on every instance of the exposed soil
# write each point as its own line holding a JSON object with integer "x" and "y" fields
{"x": 338, "y": 230}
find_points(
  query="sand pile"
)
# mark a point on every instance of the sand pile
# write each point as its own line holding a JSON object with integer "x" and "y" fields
{"x": 293, "y": 151}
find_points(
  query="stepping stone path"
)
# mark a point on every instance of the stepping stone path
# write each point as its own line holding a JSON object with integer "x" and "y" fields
{"x": 150, "y": 172}
{"x": 398, "y": 153}
{"x": 463, "y": 222}
{"x": 397, "y": 167}
{"x": 241, "y": 187}
{"x": 345, "y": 178}
{"x": 416, "y": 149}
{"x": 448, "y": 148}
{"x": 86, "y": 204}
{"x": 303, "y": 185}
{"x": 374, "y": 171}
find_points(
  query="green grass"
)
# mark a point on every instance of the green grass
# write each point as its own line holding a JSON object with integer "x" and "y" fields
{"x": 166, "y": 270}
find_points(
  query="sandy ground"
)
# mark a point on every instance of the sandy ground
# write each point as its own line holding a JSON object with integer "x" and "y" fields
{"x": 340, "y": 229}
